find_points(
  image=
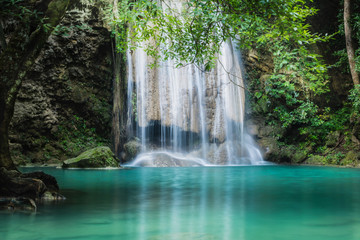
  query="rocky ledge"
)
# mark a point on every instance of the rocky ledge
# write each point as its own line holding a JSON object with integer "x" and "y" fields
{"x": 21, "y": 191}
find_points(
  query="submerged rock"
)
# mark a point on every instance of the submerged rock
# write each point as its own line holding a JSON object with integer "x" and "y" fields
{"x": 20, "y": 203}
{"x": 98, "y": 157}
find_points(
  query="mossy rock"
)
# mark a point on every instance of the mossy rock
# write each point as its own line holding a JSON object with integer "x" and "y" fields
{"x": 286, "y": 153}
{"x": 131, "y": 149}
{"x": 332, "y": 139}
{"x": 98, "y": 157}
{"x": 351, "y": 159}
{"x": 316, "y": 160}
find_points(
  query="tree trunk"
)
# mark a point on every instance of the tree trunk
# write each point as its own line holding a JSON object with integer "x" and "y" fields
{"x": 2, "y": 37}
{"x": 18, "y": 57}
{"x": 349, "y": 44}
{"x": 5, "y": 159}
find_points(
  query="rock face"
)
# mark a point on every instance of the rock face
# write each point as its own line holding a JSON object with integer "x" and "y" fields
{"x": 99, "y": 157}
{"x": 21, "y": 191}
{"x": 64, "y": 105}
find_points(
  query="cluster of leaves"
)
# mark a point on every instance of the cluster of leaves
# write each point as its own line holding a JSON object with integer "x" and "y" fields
{"x": 354, "y": 97}
{"x": 65, "y": 31}
{"x": 298, "y": 77}
{"x": 21, "y": 10}
{"x": 193, "y": 31}
{"x": 14, "y": 8}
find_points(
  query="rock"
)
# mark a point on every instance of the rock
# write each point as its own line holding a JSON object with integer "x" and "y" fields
{"x": 49, "y": 181}
{"x": 21, "y": 203}
{"x": 131, "y": 149}
{"x": 253, "y": 129}
{"x": 351, "y": 159}
{"x": 316, "y": 160}
{"x": 218, "y": 154}
{"x": 332, "y": 139}
{"x": 98, "y": 157}
{"x": 11, "y": 186}
{"x": 71, "y": 78}
{"x": 21, "y": 191}
{"x": 270, "y": 148}
{"x": 164, "y": 159}
{"x": 52, "y": 196}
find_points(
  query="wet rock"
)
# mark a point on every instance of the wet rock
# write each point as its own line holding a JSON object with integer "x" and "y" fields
{"x": 270, "y": 148}
{"x": 98, "y": 157}
{"x": 52, "y": 196}
{"x": 131, "y": 149}
{"x": 217, "y": 154}
{"x": 20, "y": 203}
{"x": 49, "y": 181}
{"x": 166, "y": 159}
{"x": 17, "y": 186}
{"x": 332, "y": 139}
{"x": 21, "y": 191}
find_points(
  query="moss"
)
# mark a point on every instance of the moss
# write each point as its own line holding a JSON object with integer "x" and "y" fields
{"x": 93, "y": 158}
{"x": 132, "y": 148}
{"x": 292, "y": 154}
{"x": 351, "y": 159}
{"x": 55, "y": 11}
{"x": 332, "y": 138}
{"x": 316, "y": 160}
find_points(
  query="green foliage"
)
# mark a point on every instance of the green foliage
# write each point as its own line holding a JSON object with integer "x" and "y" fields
{"x": 75, "y": 136}
{"x": 14, "y": 8}
{"x": 354, "y": 97}
{"x": 65, "y": 31}
{"x": 194, "y": 32}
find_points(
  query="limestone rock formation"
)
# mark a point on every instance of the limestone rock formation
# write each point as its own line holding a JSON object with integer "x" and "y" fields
{"x": 67, "y": 95}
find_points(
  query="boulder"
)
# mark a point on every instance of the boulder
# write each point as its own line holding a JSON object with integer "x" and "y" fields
{"x": 351, "y": 159}
{"x": 316, "y": 160}
{"x": 98, "y": 157}
{"x": 21, "y": 191}
{"x": 332, "y": 139}
{"x": 131, "y": 149}
{"x": 16, "y": 186}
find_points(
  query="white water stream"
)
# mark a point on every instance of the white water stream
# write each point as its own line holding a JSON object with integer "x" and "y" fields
{"x": 187, "y": 117}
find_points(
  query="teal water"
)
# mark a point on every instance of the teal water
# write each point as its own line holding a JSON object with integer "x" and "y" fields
{"x": 245, "y": 203}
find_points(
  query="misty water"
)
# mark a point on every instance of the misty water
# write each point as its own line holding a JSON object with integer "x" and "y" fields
{"x": 255, "y": 202}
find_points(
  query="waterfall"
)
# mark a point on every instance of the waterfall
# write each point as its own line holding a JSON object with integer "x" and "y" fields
{"x": 187, "y": 117}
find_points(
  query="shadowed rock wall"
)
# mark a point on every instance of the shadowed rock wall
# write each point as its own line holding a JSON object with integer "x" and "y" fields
{"x": 64, "y": 106}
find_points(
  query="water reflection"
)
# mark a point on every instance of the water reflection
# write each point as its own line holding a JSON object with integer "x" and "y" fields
{"x": 242, "y": 203}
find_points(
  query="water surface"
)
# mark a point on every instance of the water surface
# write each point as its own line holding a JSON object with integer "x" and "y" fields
{"x": 245, "y": 203}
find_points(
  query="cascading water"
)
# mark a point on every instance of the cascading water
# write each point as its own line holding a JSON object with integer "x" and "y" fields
{"x": 187, "y": 117}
